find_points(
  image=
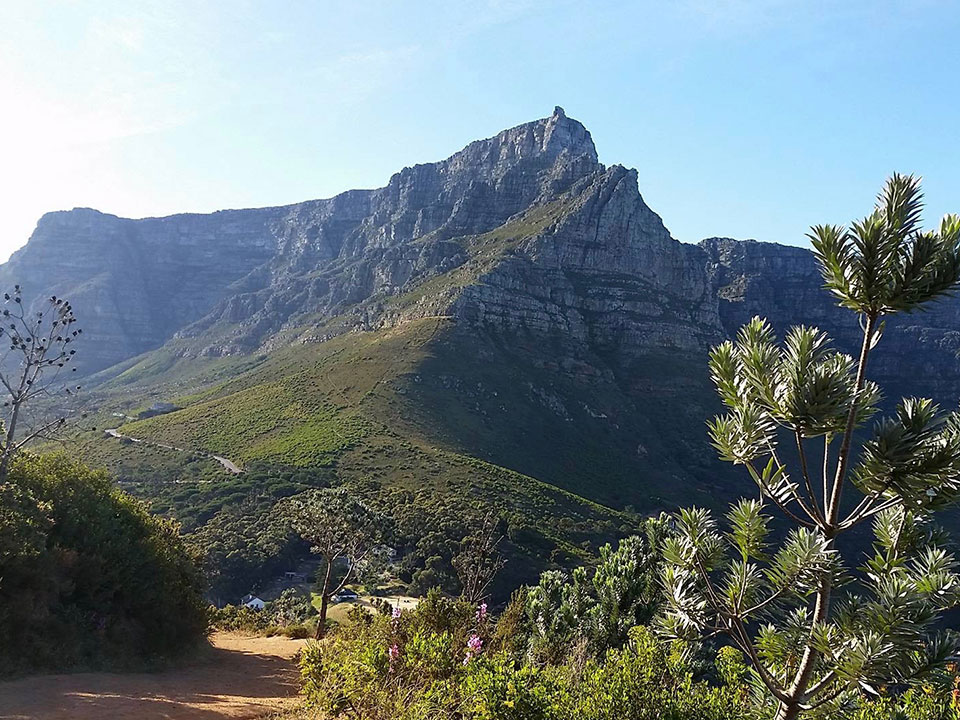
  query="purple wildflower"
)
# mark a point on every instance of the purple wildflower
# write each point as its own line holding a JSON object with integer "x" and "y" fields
{"x": 474, "y": 644}
{"x": 395, "y": 618}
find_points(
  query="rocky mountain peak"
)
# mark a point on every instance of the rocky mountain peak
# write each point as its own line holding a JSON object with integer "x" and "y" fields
{"x": 563, "y": 134}
{"x": 524, "y": 233}
{"x": 555, "y": 149}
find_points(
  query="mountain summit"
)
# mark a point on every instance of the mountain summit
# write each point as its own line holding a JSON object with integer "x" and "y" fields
{"x": 517, "y": 304}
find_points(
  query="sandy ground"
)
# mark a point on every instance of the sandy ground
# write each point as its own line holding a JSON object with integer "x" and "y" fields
{"x": 240, "y": 677}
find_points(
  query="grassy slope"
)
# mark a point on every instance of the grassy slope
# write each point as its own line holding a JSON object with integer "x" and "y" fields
{"x": 336, "y": 404}
{"x": 483, "y": 420}
{"x": 340, "y": 402}
{"x": 418, "y": 406}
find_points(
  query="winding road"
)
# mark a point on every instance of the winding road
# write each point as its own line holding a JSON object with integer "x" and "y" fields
{"x": 228, "y": 465}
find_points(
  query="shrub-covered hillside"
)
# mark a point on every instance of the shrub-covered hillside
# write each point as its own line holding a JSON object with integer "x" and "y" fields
{"x": 88, "y": 578}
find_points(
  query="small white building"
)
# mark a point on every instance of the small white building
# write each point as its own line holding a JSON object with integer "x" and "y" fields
{"x": 253, "y": 602}
{"x": 345, "y": 595}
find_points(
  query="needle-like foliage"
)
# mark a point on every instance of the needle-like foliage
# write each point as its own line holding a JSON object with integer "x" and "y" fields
{"x": 816, "y": 628}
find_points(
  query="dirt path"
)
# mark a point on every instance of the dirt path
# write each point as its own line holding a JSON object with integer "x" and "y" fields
{"x": 228, "y": 465}
{"x": 240, "y": 677}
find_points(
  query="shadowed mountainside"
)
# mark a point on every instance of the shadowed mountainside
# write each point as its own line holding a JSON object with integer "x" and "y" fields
{"x": 516, "y": 308}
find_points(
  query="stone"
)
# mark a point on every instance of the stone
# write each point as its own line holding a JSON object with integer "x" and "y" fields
{"x": 525, "y": 233}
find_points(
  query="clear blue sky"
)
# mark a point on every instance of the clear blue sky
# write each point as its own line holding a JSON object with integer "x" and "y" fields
{"x": 747, "y": 119}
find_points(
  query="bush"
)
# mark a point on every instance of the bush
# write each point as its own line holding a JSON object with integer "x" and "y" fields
{"x": 497, "y": 689}
{"x": 297, "y": 632}
{"x": 434, "y": 662}
{"x": 914, "y": 704}
{"x": 648, "y": 680}
{"x": 511, "y": 635}
{"x": 239, "y": 618}
{"x": 89, "y": 577}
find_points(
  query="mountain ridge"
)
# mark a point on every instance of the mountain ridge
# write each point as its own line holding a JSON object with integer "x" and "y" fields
{"x": 517, "y": 304}
{"x": 260, "y": 244}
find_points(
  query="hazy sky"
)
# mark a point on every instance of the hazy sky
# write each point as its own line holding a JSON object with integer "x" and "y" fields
{"x": 744, "y": 118}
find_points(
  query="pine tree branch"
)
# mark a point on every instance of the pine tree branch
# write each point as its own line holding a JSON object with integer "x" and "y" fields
{"x": 865, "y": 509}
{"x": 813, "y": 522}
{"x": 784, "y": 508}
{"x": 833, "y": 508}
{"x": 815, "y": 506}
{"x": 768, "y": 679}
{"x": 826, "y": 470}
{"x": 737, "y": 628}
{"x": 815, "y": 689}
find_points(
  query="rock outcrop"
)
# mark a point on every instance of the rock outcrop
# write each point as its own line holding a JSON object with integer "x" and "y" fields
{"x": 918, "y": 355}
{"x": 135, "y": 283}
{"x": 525, "y": 233}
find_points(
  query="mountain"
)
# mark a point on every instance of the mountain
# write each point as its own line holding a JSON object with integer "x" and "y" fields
{"x": 513, "y": 323}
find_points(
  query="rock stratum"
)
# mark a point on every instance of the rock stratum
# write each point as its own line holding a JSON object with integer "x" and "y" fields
{"x": 551, "y": 324}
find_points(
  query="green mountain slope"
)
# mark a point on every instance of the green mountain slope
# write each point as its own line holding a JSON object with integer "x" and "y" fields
{"x": 511, "y": 328}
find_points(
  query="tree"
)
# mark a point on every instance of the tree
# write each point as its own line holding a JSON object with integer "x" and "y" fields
{"x": 291, "y": 607}
{"x": 341, "y": 529}
{"x": 31, "y": 367}
{"x": 479, "y": 560}
{"x": 626, "y": 585}
{"x": 814, "y": 629}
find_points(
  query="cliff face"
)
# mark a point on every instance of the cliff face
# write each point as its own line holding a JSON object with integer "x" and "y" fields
{"x": 523, "y": 235}
{"x": 919, "y": 352}
{"x": 134, "y": 283}
{"x": 358, "y": 246}
{"x": 606, "y": 274}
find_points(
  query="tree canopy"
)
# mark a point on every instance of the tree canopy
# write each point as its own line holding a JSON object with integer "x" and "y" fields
{"x": 816, "y": 627}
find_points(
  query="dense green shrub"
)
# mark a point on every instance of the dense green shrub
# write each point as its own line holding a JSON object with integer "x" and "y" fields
{"x": 512, "y": 632}
{"x": 284, "y": 616}
{"x": 915, "y": 704}
{"x": 297, "y": 632}
{"x": 22, "y": 522}
{"x": 498, "y": 689}
{"x": 448, "y": 661}
{"x": 87, "y": 577}
{"x": 239, "y": 618}
{"x": 650, "y": 680}
{"x": 436, "y": 662}
{"x": 594, "y": 613}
